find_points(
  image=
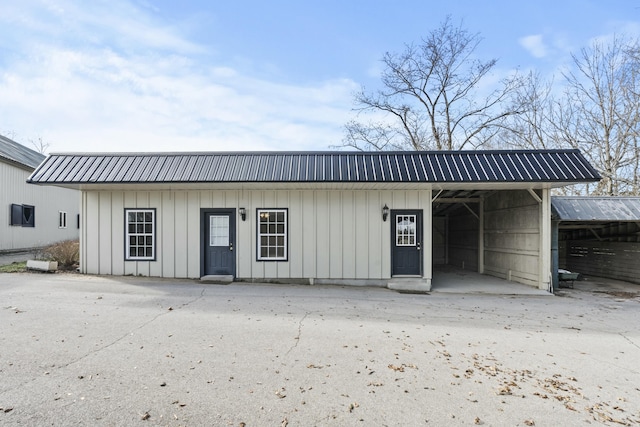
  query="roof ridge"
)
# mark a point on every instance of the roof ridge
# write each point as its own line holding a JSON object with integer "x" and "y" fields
{"x": 316, "y": 152}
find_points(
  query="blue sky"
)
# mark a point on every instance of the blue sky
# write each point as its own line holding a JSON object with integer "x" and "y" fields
{"x": 143, "y": 75}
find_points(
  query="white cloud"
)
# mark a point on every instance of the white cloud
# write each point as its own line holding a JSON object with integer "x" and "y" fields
{"x": 153, "y": 93}
{"x": 535, "y": 45}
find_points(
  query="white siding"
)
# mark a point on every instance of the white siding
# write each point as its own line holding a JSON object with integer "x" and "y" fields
{"x": 48, "y": 202}
{"x": 332, "y": 234}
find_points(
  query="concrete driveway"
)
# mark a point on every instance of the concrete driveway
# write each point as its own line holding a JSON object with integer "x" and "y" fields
{"x": 83, "y": 350}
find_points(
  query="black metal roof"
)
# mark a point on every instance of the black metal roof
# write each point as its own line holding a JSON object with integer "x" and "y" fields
{"x": 277, "y": 167}
{"x": 603, "y": 209}
{"x": 19, "y": 154}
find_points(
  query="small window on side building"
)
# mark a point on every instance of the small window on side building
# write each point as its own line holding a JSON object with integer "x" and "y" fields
{"x": 62, "y": 219}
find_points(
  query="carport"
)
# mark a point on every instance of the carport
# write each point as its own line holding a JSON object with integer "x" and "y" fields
{"x": 492, "y": 230}
{"x": 596, "y": 236}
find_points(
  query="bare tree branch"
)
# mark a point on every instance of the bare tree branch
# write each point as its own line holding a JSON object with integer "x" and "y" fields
{"x": 429, "y": 96}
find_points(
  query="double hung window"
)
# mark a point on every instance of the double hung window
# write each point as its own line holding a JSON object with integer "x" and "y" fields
{"x": 272, "y": 234}
{"x": 140, "y": 226}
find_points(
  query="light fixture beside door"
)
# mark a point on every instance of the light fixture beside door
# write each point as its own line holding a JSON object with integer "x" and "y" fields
{"x": 385, "y": 212}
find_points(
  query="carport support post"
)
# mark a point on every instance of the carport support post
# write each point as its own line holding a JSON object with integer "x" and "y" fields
{"x": 545, "y": 241}
{"x": 555, "y": 225}
{"x": 481, "y": 236}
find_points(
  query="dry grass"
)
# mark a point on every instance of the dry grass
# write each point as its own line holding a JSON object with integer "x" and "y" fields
{"x": 14, "y": 267}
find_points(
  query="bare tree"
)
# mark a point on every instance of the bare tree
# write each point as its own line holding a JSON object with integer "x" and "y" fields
{"x": 431, "y": 98}
{"x": 40, "y": 146}
{"x": 530, "y": 129}
{"x": 600, "y": 113}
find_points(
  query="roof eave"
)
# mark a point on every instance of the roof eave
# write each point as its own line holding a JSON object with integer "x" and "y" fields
{"x": 160, "y": 185}
{"x": 16, "y": 163}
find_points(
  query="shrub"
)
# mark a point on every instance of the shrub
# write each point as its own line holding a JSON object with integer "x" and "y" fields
{"x": 67, "y": 253}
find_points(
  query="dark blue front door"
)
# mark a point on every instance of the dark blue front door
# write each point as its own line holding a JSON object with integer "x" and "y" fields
{"x": 406, "y": 243}
{"x": 218, "y": 241}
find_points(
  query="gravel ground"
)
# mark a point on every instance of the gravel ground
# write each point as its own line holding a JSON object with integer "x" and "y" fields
{"x": 83, "y": 350}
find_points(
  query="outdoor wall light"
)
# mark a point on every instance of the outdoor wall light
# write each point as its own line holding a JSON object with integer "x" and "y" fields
{"x": 243, "y": 213}
{"x": 385, "y": 212}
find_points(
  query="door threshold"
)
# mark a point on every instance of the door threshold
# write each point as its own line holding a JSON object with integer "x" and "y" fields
{"x": 411, "y": 284}
{"x": 217, "y": 278}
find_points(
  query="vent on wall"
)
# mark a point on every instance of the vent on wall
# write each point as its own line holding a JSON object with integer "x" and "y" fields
{"x": 23, "y": 215}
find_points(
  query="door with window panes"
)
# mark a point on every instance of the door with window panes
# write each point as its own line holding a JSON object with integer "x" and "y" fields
{"x": 406, "y": 243}
{"x": 218, "y": 240}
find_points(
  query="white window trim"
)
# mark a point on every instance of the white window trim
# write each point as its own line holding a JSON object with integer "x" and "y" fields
{"x": 402, "y": 236}
{"x": 62, "y": 219}
{"x": 259, "y": 256}
{"x": 127, "y": 234}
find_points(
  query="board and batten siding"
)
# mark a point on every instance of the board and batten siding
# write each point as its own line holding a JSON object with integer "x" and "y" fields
{"x": 517, "y": 237}
{"x": 332, "y": 234}
{"x": 47, "y": 201}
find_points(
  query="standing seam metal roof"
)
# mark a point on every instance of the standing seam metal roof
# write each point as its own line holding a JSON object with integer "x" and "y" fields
{"x": 410, "y": 166}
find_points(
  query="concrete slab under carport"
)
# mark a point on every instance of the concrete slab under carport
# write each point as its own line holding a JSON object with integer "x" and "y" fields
{"x": 448, "y": 279}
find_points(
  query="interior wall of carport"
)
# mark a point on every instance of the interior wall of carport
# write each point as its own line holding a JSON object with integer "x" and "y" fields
{"x": 505, "y": 235}
{"x": 517, "y": 236}
{"x": 333, "y": 234}
{"x": 463, "y": 237}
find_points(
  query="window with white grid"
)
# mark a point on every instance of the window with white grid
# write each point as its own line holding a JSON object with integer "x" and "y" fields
{"x": 272, "y": 234}
{"x": 405, "y": 230}
{"x": 140, "y": 234}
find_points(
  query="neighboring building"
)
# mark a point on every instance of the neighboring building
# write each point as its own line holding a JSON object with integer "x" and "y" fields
{"x": 598, "y": 236}
{"x": 376, "y": 218}
{"x": 31, "y": 216}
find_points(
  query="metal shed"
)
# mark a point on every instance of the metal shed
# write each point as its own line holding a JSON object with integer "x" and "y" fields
{"x": 597, "y": 236}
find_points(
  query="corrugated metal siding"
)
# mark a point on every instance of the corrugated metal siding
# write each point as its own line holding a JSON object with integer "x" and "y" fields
{"x": 47, "y": 202}
{"x": 434, "y": 167}
{"x": 596, "y": 208}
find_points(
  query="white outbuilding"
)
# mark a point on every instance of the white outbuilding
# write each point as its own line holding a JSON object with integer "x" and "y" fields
{"x": 373, "y": 218}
